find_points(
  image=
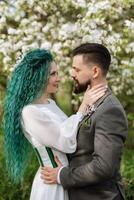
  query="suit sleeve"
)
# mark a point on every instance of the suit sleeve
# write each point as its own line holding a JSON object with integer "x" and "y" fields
{"x": 110, "y": 133}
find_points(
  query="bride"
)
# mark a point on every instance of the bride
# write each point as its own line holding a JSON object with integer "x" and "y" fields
{"x": 32, "y": 117}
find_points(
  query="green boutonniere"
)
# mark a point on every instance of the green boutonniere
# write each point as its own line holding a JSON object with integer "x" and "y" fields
{"x": 86, "y": 121}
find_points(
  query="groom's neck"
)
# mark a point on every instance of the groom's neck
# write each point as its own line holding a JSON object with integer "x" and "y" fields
{"x": 95, "y": 82}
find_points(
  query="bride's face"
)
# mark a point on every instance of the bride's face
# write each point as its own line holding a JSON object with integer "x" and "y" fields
{"x": 53, "y": 80}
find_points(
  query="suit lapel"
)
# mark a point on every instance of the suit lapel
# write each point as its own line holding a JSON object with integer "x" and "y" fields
{"x": 100, "y": 101}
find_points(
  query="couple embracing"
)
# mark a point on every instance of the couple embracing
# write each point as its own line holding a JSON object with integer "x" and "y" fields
{"x": 80, "y": 155}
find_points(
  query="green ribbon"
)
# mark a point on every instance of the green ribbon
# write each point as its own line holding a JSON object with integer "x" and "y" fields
{"x": 50, "y": 154}
{"x": 39, "y": 157}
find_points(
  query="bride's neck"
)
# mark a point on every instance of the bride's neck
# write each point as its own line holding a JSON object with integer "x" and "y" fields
{"x": 43, "y": 99}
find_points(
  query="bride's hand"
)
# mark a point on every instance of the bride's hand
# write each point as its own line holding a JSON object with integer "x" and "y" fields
{"x": 91, "y": 96}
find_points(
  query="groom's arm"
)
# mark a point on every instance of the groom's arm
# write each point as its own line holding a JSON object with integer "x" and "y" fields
{"x": 110, "y": 133}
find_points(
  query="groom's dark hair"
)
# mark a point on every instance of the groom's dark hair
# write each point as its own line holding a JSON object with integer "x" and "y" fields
{"x": 94, "y": 53}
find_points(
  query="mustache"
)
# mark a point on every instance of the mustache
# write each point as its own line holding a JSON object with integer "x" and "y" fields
{"x": 75, "y": 81}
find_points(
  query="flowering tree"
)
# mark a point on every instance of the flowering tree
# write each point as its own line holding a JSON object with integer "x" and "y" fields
{"x": 62, "y": 25}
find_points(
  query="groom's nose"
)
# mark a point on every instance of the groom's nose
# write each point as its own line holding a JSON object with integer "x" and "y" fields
{"x": 73, "y": 75}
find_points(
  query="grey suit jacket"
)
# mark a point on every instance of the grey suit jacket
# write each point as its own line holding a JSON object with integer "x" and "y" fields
{"x": 93, "y": 172}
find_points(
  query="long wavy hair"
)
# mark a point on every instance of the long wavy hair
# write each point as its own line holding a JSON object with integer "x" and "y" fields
{"x": 28, "y": 81}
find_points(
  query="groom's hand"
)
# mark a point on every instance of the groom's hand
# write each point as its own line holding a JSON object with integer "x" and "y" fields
{"x": 49, "y": 174}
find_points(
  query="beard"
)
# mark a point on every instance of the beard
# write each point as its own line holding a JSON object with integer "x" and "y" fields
{"x": 78, "y": 88}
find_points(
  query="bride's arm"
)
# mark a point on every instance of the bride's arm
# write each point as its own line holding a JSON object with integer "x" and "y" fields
{"x": 49, "y": 131}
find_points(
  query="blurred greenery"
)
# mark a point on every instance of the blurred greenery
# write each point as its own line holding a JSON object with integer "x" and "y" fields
{"x": 128, "y": 173}
{"x": 9, "y": 190}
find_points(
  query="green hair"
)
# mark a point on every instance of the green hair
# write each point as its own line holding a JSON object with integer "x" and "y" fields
{"x": 27, "y": 83}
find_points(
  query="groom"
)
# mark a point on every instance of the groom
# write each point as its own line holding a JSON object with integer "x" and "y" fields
{"x": 93, "y": 172}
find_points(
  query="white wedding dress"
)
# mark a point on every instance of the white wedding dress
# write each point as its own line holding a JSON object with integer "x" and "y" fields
{"x": 45, "y": 125}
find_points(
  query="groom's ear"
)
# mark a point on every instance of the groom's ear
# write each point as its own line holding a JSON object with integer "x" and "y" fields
{"x": 96, "y": 71}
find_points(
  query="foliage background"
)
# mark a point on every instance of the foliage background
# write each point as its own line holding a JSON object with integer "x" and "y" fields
{"x": 61, "y": 25}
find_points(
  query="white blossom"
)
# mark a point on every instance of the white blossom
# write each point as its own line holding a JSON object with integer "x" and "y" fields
{"x": 57, "y": 47}
{"x": 67, "y": 28}
{"x": 46, "y": 45}
{"x": 81, "y": 3}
